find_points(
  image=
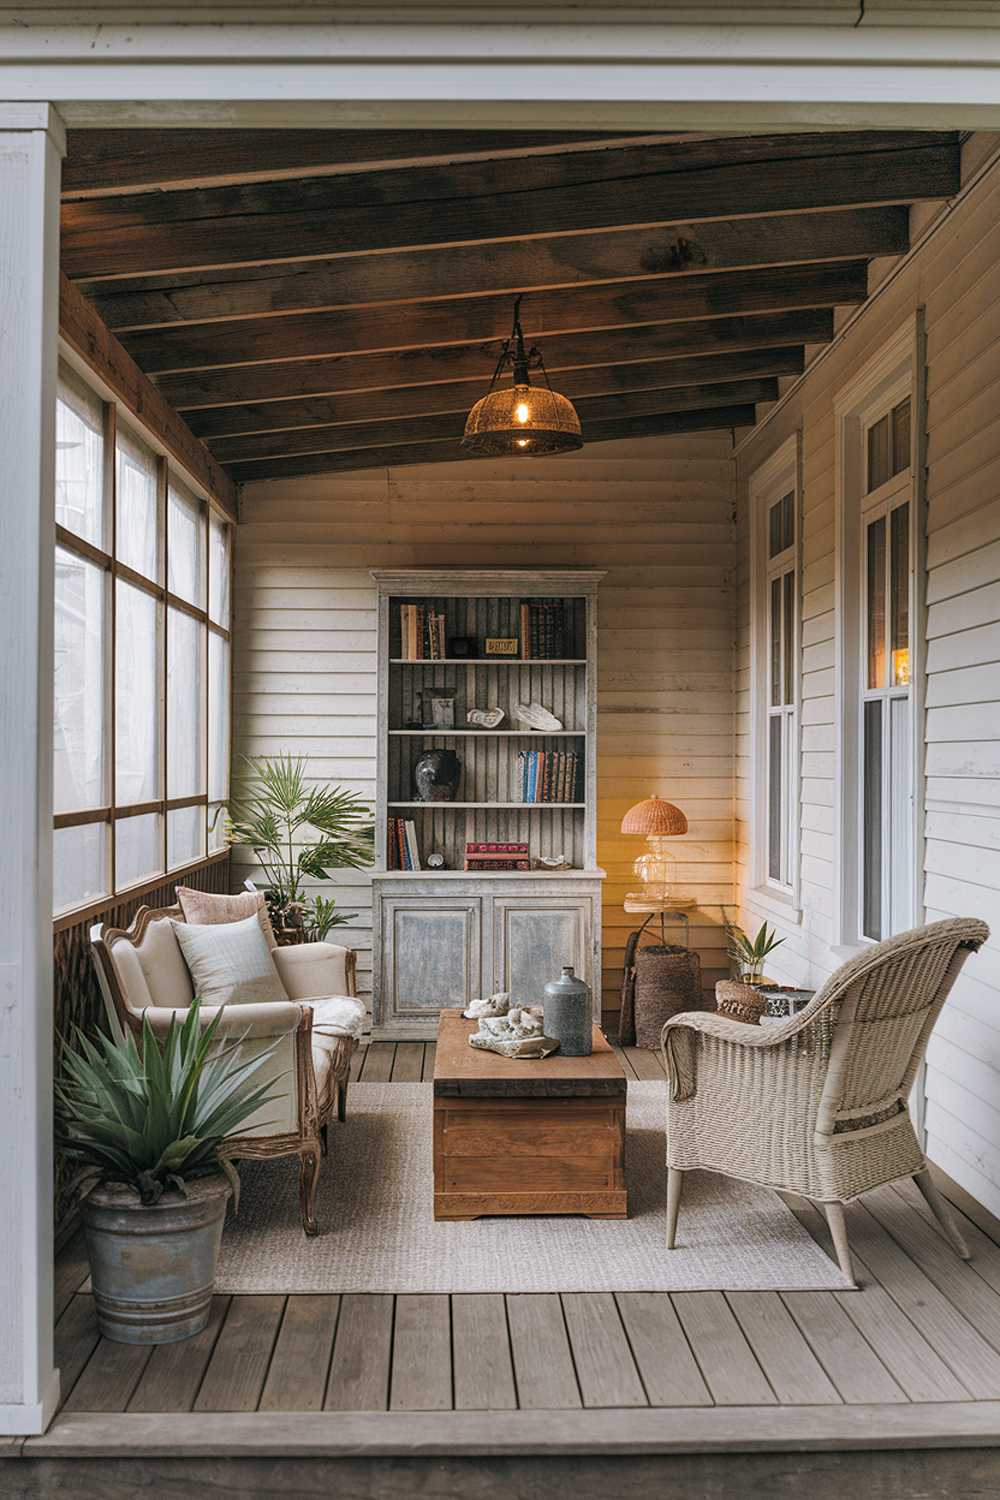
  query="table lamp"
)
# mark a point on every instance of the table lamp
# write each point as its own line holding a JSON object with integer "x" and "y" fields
{"x": 658, "y": 821}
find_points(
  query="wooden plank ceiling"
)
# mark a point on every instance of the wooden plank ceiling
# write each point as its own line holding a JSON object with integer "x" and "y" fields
{"x": 314, "y": 301}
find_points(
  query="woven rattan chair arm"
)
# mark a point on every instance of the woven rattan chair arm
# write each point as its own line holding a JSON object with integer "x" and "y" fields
{"x": 681, "y": 1036}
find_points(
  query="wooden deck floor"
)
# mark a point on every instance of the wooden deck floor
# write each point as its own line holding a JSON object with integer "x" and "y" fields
{"x": 925, "y": 1328}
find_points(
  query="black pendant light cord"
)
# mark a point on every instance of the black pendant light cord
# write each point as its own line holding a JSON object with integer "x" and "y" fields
{"x": 513, "y": 353}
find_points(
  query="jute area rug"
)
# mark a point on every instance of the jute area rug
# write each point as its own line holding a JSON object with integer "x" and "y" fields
{"x": 377, "y": 1232}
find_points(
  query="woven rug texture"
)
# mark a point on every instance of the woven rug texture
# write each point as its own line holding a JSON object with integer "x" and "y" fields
{"x": 377, "y": 1232}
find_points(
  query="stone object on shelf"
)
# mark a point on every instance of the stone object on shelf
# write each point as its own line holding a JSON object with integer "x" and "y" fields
{"x": 518, "y": 1034}
{"x": 537, "y": 717}
{"x": 485, "y": 718}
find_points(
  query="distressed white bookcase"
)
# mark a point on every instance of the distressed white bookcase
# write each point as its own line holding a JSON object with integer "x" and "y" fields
{"x": 444, "y": 937}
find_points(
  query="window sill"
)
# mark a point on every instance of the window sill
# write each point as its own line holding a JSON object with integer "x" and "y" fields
{"x": 775, "y": 904}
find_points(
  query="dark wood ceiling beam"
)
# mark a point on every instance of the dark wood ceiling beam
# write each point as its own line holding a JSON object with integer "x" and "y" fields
{"x": 514, "y": 199}
{"x": 238, "y": 385}
{"x": 506, "y": 266}
{"x": 474, "y": 319}
{"x": 448, "y": 451}
{"x": 460, "y": 395}
{"x": 113, "y": 163}
{"x": 451, "y": 424}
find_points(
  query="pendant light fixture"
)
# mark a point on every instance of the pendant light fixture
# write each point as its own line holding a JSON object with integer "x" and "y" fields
{"x": 521, "y": 420}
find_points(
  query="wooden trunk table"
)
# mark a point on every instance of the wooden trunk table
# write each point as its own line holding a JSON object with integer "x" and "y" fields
{"x": 545, "y": 1137}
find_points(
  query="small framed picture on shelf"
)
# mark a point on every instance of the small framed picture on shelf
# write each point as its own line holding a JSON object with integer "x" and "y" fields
{"x": 442, "y": 712}
{"x": 500, "y": 645}
{"x": 459, "y": 647}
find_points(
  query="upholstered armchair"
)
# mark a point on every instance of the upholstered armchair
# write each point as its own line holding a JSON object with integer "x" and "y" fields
{"x": 818, "y": 1104}
{"x": 142, "y": 973}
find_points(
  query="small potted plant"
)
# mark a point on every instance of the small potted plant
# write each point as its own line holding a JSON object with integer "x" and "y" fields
{"x": 145, "y": 1122}
{"x": 274, "y": 816}
{"x": 741, "y": 998}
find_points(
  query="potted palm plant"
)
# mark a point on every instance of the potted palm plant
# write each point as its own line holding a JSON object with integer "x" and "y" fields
{"x": 741, "y": 998}
{"x": 279, "y": 817}
{"x": 145, "y": 1123}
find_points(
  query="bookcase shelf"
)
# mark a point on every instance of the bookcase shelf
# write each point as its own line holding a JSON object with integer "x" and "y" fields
{"x": 488, "y": 661}
{"x": 445, "y": 936}
{"x": 525, "y": 806}
{"x": 487, "y": 734}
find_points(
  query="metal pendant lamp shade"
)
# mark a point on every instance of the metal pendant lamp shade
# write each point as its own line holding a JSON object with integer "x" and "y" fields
{"x": 521, "y": 420}
{"x": 655, "y": 818}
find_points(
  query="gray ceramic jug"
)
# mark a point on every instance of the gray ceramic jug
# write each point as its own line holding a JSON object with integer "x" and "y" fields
{"x": 569, "y": 1014}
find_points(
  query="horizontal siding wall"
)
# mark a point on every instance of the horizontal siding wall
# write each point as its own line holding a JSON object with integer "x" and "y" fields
{"x": 656, "y": 514}
{"x": 955, "y": 276}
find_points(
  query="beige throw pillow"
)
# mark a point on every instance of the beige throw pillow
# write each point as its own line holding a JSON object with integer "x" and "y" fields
{"x": 229, "y": 962}
{"x": 202, "y": 908}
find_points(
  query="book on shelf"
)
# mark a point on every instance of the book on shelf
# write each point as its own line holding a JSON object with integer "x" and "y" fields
{"x": 502, "y": 866}
{"x": 548, "y": 775}
{"x": 402, "y": 849}
{"x": 421, "y": 633}
{"x": 496, "y": 855}
{"x": 546, "y": 630}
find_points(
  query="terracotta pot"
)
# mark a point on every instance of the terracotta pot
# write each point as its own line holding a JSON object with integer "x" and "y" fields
{"x": 739, "y": 1001}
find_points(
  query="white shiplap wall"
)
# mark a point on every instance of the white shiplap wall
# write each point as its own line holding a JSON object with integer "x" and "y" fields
{"x": 955, "y": 276}
{"x": 656, "y": 514}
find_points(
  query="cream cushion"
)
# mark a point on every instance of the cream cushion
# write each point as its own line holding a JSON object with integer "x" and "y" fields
{"x": 229, "y": 962}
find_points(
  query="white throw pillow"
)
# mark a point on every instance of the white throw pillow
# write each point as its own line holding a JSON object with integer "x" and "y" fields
{"x": 230, "y": 962}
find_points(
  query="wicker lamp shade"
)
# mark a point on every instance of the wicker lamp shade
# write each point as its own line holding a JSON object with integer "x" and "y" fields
{"x": 527, "y": 421}
{"x": 654, "y": 817}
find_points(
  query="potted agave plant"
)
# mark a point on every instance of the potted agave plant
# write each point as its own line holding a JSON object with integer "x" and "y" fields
{"x": 741, "y": 998}
{"x": 145, "y": 1123}
{"x": 299, "y": 833}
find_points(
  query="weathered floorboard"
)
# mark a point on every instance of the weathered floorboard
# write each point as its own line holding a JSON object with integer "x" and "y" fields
{"x": 359, "y": 1370}
{"x": 421, "y": 1354}
{"x": 543, "y": 1363}
{"x": 604, "y": 1365}
{"x": 668, "y": 1369}
{"x": 296, "y": 1377}
{"x": 238, "y": 1367}
{"x": 171, "y": 1380}
{"x": 483, "y": 1372}
{"x": 727, "y": 1362}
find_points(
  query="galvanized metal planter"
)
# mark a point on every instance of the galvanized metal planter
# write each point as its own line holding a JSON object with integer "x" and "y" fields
{"x": 153, "y": 1266}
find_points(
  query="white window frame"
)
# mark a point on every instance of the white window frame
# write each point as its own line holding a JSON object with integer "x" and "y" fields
{"x": 769, "y": 483}
{"x": 896, "y": 372}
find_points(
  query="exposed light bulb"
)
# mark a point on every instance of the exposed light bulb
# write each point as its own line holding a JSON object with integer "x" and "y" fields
{"x": 521, "y": 411}
{"x": 522, "y": 442}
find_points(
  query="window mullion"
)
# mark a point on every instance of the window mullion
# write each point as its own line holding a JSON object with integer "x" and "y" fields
{"x": 111, "y": 652}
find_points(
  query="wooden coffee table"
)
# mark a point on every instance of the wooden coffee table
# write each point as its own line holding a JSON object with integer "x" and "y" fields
{"x": 545, "y": 1137}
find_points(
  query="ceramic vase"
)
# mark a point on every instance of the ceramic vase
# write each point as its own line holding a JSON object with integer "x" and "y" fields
{"x": 569, "y": 1014}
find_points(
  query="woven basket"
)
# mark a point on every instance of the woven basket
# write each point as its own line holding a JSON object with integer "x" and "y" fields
{"x": 667, "y": 981}
{"x": 739, "y": 1001}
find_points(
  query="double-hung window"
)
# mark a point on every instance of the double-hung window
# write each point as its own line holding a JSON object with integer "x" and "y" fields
{"x": 885, "y": 886}
{"x": 879, "y": 656}
{"x": 141, "y": 660}
{"x": 774, "y": 512}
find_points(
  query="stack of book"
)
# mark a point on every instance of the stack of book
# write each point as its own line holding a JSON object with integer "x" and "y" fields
{"x": 548, "y": 775}
{"x": 402, "y": 852}
{"x": 421, "y": 633}
{"x": 497, "y": 857}
{"x": 545, "y": 630}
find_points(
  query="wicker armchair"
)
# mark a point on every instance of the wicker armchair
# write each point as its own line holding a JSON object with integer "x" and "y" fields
{"x": 818, "y": 1104}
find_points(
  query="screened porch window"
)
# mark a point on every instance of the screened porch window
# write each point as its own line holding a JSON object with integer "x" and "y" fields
{"x": 886, "y": 729}
{"x": 141, "y": 659}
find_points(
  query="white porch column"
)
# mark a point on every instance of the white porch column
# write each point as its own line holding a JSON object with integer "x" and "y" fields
{"x": 31, "y": 146}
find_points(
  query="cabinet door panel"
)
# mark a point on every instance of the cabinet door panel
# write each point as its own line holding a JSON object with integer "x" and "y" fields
{"x": 534, "y": 938}
{"x": 432, "y": 955}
